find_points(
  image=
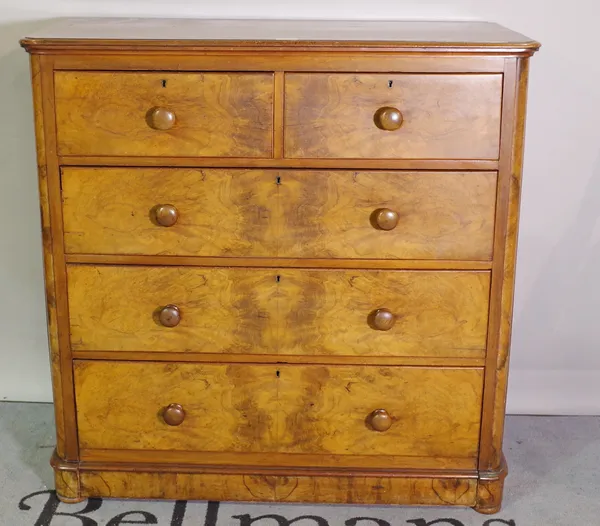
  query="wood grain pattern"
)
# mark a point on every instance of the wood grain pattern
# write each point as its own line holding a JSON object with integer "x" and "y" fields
{"x": 56, "y": 298}
{"x": 221, "y": 212}
{"x": 273, "y": 461}
{"x": 140, "y": 33}
{"x": 440, "y": 314}
{"x": 298, "y": 214}
{"x": 423, "y": 361}
{"x": 66, "y": 479}
{"x": 250, "y": 162}
{"x": 307, "y": 60}
{"x": 445, "y": 116}
{"x": 501, "y": 308}
{"x": 228, "y": 407}
{"x": 227, "y": 311}
{"x": 442, "y": 215}
{"x": 47, "y": 247}
{"x": 281, "y": 409}
{"x": 426, "y": 491}
{"x": 217, "y": 114}
{"x": 290, "y": 218}
{"x": 435, "y": 412}
{"x": 195, "y": 261}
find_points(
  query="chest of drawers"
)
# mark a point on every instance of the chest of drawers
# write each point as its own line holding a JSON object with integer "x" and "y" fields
{"x": 279, "y": 256}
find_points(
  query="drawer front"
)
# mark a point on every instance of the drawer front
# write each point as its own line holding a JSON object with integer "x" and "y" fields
{"x": 288, "y": 409}
{"x": 268, "y": 213}
{"x": 278, "y": 311}
{"x": 176, "y": 114}
{"x": 388, "y": 215}
{"x": 439, "y": 116}
{"x": 212, "y": 212}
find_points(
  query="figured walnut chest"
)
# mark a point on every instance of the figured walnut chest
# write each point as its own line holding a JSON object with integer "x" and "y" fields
{"x": 279, "y": 256}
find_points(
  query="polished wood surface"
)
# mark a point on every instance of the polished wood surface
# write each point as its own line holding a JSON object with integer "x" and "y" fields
{"x": 279, "y": 311}
{"x": 75, "y": 33}
{"x": 297, "y": 235}
{"x": 165, "y": 215}
{"x": 276, "y": 213}
{"x": 199, "y": 114}
{"x": 437, "y": 313}
{"x": 444, "y": 116}
{"x": 161, "y": 118}
{"x": 374, "y": 489}
{"x": 169, "y": 315}
{"x": 250, "y": 162}
{"x": 324, "y": 263}
{"x": 279, "y": 409}
{"x": 380, "y": 420}
{"x": 424, "y": 361}
{"x": 230, "y": 212}
{"x": 174, "y": 415}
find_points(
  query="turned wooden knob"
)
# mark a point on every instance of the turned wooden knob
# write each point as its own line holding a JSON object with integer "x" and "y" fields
{"x": 388, "y": 118}
{"x": 166, "y": 215}
{"x": 174, "y": 415}
{"x": 382, "y": 319}
{"x": 161, "y": 119}
{"x": 169, "y": 316}
{"x": 380, "y": 420}
{"x": 385, "y": 219}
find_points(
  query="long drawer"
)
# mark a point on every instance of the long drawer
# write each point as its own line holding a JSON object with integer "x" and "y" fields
{"x": 278, "y": 311}
{"x": 375, "y": 417}
{"x": 275, "y": 213}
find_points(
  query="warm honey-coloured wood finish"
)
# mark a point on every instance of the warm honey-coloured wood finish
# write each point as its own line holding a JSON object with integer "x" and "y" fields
{"x": 220, "y": 212}
{"x": 165, "y": 34}
{"x": 278, "y": 311}
{"x": 442, "y": 116}
{"x": 304, "y": 230}
{"x": 184, "y": 114}
{"x": 374, "y": 489}
{"x": 302, "y": 410}
{"x": 277, "y": 213}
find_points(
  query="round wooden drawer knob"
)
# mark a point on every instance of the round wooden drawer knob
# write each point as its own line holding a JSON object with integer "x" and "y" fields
{"x": 380, "y": 420}
{"x": 174, "y": 415}
{"x": 169, "y": 316}
{"x": 166, "y": 215}
{"x": 388, "y": 118}
{"x": 385, "y": 219}
{"x": 161, "y": 119}
{"x": 382, "y": 319}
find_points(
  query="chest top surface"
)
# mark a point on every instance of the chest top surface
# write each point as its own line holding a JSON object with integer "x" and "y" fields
{"x": 400, "y": 35}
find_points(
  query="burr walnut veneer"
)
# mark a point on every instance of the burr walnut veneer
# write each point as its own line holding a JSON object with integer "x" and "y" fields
{"x": 280, "y": 256}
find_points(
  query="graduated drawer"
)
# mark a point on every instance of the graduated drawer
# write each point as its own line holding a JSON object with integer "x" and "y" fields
{"x": 376, "y": 417}
{"x": 277, "y": 213}
{"x": 171, "y": 114}
{"x": 428, "y": 116}
{"x": 278, "y": 311}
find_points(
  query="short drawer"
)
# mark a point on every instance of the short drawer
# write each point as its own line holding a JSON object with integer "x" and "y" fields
{"x": 164, "y": 114}
{"x": 277, "y": 213}
{"x": 278, "y": 311}
{"x": 392, "y": 116}
{"x": 376, "y": 417}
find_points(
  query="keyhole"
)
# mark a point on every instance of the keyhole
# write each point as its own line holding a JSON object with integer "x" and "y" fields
{"x": 164, "y": 83}
{"x": 390, "y": 83}
{"x": 278, "y": 279}
{"x": 278, "y": 373}
{"x": 278, "y": 180}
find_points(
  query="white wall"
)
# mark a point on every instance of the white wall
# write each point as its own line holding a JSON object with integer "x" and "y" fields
{"x": 556, "y": 340}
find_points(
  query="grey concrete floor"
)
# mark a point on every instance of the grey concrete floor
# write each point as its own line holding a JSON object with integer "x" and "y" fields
{"x": 554, "y": 480}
